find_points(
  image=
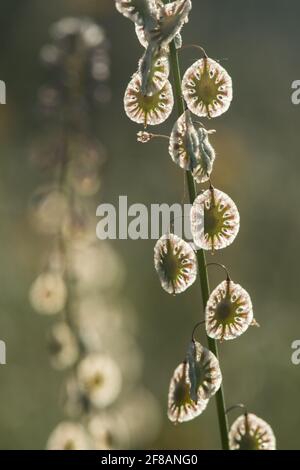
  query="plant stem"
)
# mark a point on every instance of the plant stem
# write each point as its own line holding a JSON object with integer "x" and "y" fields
{"x": 201, "y": 261}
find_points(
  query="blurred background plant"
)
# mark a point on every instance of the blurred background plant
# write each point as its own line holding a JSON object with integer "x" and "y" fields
{"x": 260, "y": 139}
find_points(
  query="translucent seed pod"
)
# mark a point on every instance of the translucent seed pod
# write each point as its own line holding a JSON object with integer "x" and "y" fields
{"x": 69, "y": 436}
{"x": 148, "y": 110}
{"x": 228, "y": 312}
{"x": 141, "y": 12}
{"x": 204, "y": 372}
{"x": 249, "y": 432}
{"x": 175, "y": 263}
{"x": 215, "y": 220}
{"x": 170, "y": 21}
{"x": 100, "y": 379}
{"x": 62, "y": 346}
{"x": 207, "y": 88}
{"x": 154, "y": 70}
{"x": 181, "y": 407}
{"x": 48, "y": 293}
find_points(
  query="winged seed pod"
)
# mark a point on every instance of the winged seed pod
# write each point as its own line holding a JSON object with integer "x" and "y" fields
{"x": 204, "y": 372}
{"x": 154, "y": 70}
{"x": 215, "y": 220}
{"x": 181, "y": 407}
{"x": 175, "y": 263}
{"x": 249, "y": 432}
{"x": 148, "y": 110}
{"x": 228, "y": 312}
{"x": 207, "y": 88}
{"x": 190, "y": 148}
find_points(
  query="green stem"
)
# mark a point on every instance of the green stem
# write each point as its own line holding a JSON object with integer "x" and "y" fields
{"x": 203, "y": 276}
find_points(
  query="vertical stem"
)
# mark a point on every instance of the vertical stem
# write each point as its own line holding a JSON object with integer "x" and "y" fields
{"x": 201, "y": 261}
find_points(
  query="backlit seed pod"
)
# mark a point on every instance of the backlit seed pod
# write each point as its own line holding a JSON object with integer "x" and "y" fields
{"x": 141, "y": 12}
{"x": 69, "y": 436}
{"x": 108, "y": 431}
{"x": 181, "y": 407}
{"x": 207, "y": 88}
{"x": 249, "y": 432}
{"x": 228, "y": 312}
{"x": 215, "y": 220}
{"x": 171, "y": 19}
{"x": 190, "y": 148}
{"x": 148, "y": 110}
{"x": 204, "y": 372}
{"x": 100, "y": 379}
{"x": 63, "y": 346}
{"x": 154, "y": 71}
{"x": 175, "y": 263}
{"x": 48, "y": 293}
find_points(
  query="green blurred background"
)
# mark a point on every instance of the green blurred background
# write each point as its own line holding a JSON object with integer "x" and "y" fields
{"x": 258, "y": 165}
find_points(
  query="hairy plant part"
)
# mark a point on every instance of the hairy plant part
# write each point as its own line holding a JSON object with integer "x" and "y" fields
{"x": 228, "y": 312}
{"x": 190, "y": 148}
{"x": 48, "y": 293}
{"x": 154, "y": 71}
{"x": 181, "y": 407}
{"x": 148, "y": 110}
{"x": 215, "y": 220}
{"x": 204, "y": 372}
{"x": 175, "y": 263}
{"x": 249, "y": 432}
{"x": 141, "y": 12}
{"x": 207, "y": 88}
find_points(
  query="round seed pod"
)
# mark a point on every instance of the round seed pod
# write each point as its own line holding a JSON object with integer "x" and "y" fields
{"x": 228, "y": 312}
{"x": 175, "y": 263}
{"x": 148, "y": 110}
{"x": 207, "y": 88}
{"x": 181, "y": 407}
{"x": 249, "y": 432}
{"x": 204, "y": 372}
{"x": 215, "y": 220}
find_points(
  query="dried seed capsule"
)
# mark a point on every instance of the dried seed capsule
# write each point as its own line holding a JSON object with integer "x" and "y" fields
{"x": 207, "y": 157}
{"x": 228, "y": 312}
{"x": 69, "y": 436}
{"x": 215, "y": 220}
{"x": 181, "y": 407}
{"x": 204, "y": 372}
{"x": 170, "y": 21}
{"x": 190, "y": 149}
{"x": 48, "y": 293}
{"x": 249, "y": 432}
{"x": 154, "y": 71}
{"x": 207, "y": 88}
{"x": 148, "y": 110}
{"x": 142, "y": 12}
{"x": 175, "y": 263}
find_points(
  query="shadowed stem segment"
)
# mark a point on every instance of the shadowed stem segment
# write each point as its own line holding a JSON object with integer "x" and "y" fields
{"x": 223, "y": 423}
